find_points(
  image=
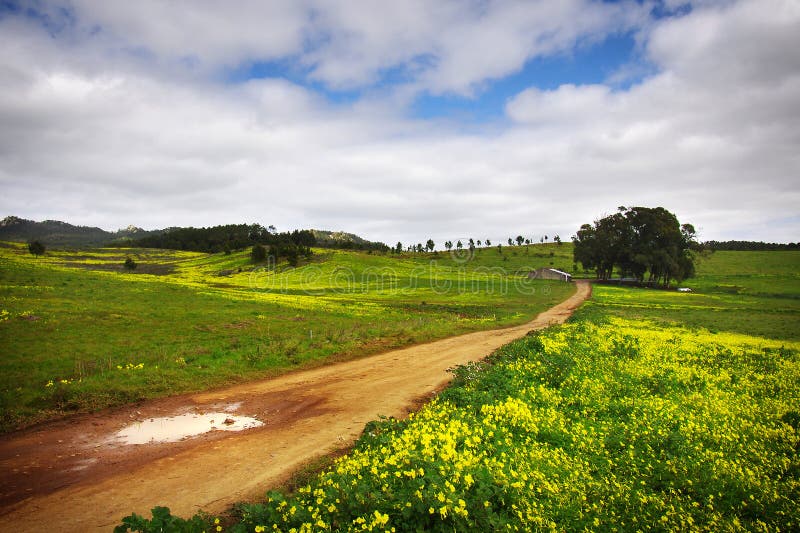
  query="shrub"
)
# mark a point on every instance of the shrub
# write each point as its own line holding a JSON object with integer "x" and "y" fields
{"x": 258, "y": 253}
{"x": 36, "y": 248}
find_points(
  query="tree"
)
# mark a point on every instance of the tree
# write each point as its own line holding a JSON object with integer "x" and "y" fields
{"x": 130, "y": 264}
{"x": 479, "y": 242}
{"x": 640, "y": 242}
{"x": 448, "y": 245}
{"x": 459, "y": 245}
{"x": 557, "y": 239}
{"x": 488, "y": 242}
{"x": 510, "y": 242}
{"x": 292, "y": 255}
{"x": 258, "y": 253}
{"x": 399, "y": 247}
{"x": 430, "y": 245}
{"x": 36, "y": 248}
{"x": 520, "y": 239}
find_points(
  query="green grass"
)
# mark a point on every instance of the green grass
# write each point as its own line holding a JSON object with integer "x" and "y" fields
{"x": 648, "y": 410}
{"x": 756, "y": 293}
{"x": 105, "y": 336}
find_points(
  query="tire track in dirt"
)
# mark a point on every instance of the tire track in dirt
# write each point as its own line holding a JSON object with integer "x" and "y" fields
{"x": 70, "y": 474}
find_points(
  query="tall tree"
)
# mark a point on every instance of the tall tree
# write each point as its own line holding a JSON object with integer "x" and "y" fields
{"x": 36, "y": 248}
{"x": 639, "y": 242}
{"x": 430, "y": 245}
{"x": 258, "y": 253}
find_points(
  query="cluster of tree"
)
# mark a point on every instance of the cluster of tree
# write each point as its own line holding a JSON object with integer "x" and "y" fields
{"x": 210, "y": 240}
{"x": 639, "y": 242}
{"x": 415, "y": 248}
{"x": 277, "y": 250}
{"x": 365, "y": 246}
{"x": 289, "y": 245}
{"x": 471, "y": 244}
{"x": 519, "y": 240}
{"x": 750, "y": 246}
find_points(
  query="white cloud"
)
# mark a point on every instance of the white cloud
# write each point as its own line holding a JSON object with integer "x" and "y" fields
{"x": 448, "y": 46}
{"x": 714, "y": 131}
{"x": 93, "y": 134}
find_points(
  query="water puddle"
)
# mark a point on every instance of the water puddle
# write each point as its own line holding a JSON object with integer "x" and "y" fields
{"x": 175, "y": 428}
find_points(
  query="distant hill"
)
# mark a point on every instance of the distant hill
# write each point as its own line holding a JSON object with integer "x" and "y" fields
{"x": 347, "y": 241}
{"x": 57, "y": 234}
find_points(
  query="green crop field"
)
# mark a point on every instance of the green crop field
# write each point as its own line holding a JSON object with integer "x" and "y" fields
{"x": 649, "y": 410}
{"x": 79, "y": 332}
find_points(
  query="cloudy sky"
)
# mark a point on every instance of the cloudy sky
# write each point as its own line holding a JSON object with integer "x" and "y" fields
{"x": 402, "y": 120}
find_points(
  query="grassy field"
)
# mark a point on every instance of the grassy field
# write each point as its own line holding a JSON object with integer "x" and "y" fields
{"x": 79, "y": 332}
{"x": 757, "y": 293}
{"x": 649, "y": 410}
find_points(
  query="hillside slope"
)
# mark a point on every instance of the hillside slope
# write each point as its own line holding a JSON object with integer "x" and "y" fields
{"x": 57, "y": 234}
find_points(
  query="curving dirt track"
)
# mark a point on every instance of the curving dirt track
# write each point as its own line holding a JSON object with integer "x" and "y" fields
{"x": 71, "y": 476}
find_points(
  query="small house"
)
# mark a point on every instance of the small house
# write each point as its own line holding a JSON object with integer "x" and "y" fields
{"x": 550, "y": 273}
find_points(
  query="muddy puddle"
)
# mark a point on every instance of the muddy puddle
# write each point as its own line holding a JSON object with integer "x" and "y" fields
{"x": 179, "y": 427}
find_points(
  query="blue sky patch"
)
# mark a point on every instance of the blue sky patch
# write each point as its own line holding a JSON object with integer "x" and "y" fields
{"x": 586, "y": 65}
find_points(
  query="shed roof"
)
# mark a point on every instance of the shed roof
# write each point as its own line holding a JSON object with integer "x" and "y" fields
{"x": 558, "y": 271}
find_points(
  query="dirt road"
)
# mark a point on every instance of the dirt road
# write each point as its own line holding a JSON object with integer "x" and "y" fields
{"x": 72, "y": 475}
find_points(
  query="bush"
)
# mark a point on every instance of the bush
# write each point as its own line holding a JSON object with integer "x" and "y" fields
{"x": 130, "y": 264}
{"x": 36, "y": 248}
{"x": 258, "y": 253}
{"x": 164, "y": 522}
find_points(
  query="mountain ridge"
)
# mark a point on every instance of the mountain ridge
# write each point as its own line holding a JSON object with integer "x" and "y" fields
{"x": 59, "y": 234}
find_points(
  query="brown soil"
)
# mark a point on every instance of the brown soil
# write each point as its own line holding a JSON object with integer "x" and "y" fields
{"x": 71, "y": 476}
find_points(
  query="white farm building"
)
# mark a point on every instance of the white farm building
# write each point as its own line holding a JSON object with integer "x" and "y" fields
{"x": 550, "y": 273}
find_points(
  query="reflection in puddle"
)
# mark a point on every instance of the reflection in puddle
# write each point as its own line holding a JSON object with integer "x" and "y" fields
{"x": 174, "y": 428}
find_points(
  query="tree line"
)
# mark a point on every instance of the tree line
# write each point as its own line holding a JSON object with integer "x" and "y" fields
{"x": 227, "y": 238}
{"x": 648, "y": 244}
{"x": 750, "y": 246}
{"x": 470, "y": 244}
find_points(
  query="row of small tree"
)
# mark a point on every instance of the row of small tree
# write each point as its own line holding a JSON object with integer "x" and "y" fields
{"x": 471, "y": 244}
{"x": 640, "y": 242}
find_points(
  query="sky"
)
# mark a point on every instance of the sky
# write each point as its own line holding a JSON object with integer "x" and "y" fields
{"x": 402, "y": 121}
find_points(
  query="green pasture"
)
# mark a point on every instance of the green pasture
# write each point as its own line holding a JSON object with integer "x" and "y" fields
{"x": 650, "y": 410}
{"x": 79, "y": 332}
{"x": 756, "y": 293}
